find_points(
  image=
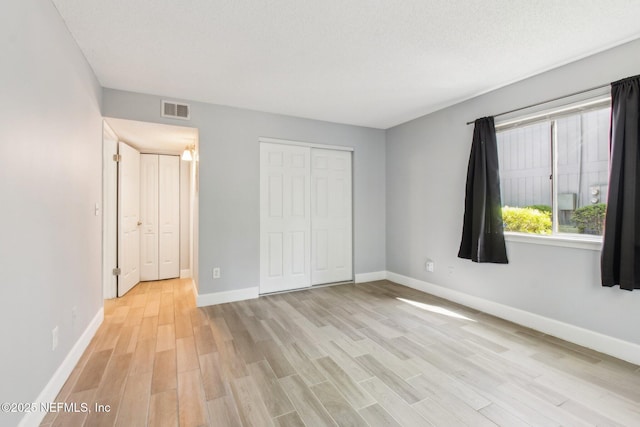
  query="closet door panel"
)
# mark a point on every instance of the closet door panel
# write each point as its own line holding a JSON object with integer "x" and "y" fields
{"x": 284, "y": 217}
{"x": 149, "y": 217}
{"x": 331, "y": 216}
{"x": 169, "y": 216}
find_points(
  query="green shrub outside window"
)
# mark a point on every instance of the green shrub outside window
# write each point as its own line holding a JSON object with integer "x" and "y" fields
{"x": 536, "y": 219}
{"x": 590, "y": 219}
{"x": 526, "y": 220}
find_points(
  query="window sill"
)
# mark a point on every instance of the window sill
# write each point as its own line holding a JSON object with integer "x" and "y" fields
{"x": 593, "y": 243}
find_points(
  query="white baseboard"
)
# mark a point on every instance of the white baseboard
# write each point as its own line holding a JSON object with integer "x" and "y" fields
{"x": 615, "y": 347}
{"x": 53, "y": 387}
{"x": 227, "y": 296}
{"x": 194, "y": 289}
{"x": 184, "y": 274}
{"x": 370, "y": 277}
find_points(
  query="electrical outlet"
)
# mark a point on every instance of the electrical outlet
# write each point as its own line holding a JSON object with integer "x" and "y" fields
{"x": 429, "y": 265}
{"x": 54, "y": 338}
{"x": 216, "y": 273}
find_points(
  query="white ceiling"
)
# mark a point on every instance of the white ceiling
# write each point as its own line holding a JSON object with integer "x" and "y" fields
{"x": 154, "y": 137}
{"x": 374, "y": 63}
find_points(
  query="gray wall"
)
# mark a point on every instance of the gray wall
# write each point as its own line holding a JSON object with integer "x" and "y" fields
{"x": 229, "y": 182}
{"x": 185, "y": 215}
{"x": 427, "y": 163}
{"x": 50, "y": 179}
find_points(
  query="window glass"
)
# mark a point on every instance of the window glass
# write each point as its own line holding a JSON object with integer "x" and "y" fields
{"x": 554, "y": 174}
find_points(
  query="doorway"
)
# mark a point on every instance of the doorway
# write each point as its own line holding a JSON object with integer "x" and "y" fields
{"x": 166, "y": 144}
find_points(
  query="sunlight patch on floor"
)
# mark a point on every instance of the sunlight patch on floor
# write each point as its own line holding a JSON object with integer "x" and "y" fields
{"x": 435, "y": 309}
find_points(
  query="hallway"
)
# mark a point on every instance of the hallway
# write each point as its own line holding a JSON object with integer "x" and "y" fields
{"x": 132, "y": 364}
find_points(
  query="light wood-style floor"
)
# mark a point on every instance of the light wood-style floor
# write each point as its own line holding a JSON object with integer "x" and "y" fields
{"x": 375, "y": 354}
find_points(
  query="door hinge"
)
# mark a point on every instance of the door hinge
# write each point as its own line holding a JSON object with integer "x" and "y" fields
{"x": 117, "y": 157}
{"x": 116, "y": 271}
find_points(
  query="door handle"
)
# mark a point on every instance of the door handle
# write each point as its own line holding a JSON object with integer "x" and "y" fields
{"x": 139, "y": 223}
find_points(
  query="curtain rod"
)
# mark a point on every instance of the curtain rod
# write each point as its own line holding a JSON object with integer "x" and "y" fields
{"x": 547, "y": 101}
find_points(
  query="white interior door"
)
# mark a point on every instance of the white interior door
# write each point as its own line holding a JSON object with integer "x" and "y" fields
{"x": 149, "y": 217}
{"x": 285, "y": 220}
{"x": 128, "y": 217}
{"x": 331, "y": 217}
{"x": 169, "y": 217}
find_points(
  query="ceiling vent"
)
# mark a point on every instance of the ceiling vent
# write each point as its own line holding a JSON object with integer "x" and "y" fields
{"x": 176, "y": 110}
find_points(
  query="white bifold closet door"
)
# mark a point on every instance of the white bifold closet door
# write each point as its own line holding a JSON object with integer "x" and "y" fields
{"x": 305, "y": 217}
{"x": 149, "y": 217}
{"x": 160, "y": 216}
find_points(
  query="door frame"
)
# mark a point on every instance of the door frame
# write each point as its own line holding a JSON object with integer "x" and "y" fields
{"x": 305, "y": 144}
{"x": 271, "y": 140}
{"x": 110, "y": 213}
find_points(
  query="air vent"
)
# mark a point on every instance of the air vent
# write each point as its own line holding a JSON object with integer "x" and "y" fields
{"x": 176, "y": 110}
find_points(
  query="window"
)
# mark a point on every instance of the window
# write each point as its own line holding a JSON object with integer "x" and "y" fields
{"x": 554, "y": 170}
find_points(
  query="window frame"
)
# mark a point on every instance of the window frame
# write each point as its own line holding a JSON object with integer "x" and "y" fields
{"x": 551, "y": 114}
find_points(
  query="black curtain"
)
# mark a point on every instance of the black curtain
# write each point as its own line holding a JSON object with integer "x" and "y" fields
{"x": 621, "y": 248}
{"x": 482, "y": 230}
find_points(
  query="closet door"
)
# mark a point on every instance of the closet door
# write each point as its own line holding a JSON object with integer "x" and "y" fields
{"x": 285, "y": 219}
{"x": 169, "y": 217}
{"x": 331, "y": 216}
{"x": 149, "y": 217}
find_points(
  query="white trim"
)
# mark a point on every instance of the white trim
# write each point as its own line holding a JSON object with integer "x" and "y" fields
{"x": 185, "y": 274}
{"x": 598, "y": 98}
{"x": 304, "y": 144}
{"x": 53, "y": 387}
{"x": 593, "y": 243}
{"x": 194, "y": 289}
{"x": 227, "y": 296}
{"x": 370, "y": 277}
{"x": 109, "y": 212}
{"x": 595, "y": 340}
{"x": 109, "y": 130}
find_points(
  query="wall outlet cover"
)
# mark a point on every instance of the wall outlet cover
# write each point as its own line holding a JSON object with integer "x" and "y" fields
{"x": 429, "y": 266}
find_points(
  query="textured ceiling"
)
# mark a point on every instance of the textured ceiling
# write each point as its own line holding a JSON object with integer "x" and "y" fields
{"x": 374, "y": 63}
